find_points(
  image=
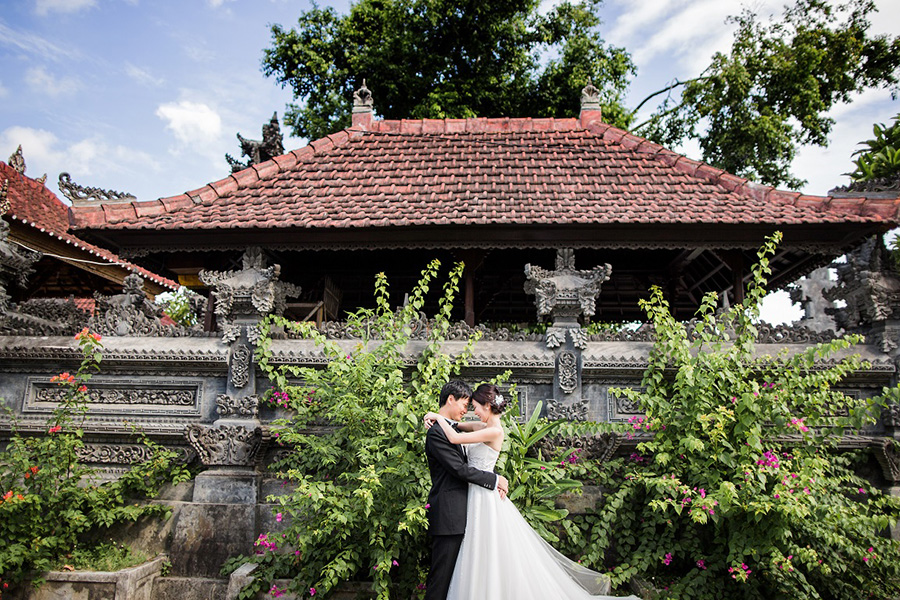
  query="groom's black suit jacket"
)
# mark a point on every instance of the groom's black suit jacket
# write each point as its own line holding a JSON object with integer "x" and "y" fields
{"x": 450, "y": 476}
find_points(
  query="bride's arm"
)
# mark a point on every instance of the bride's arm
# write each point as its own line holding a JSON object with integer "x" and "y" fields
{"x": 484, "y": 434}
{"x": 471, "y": 426}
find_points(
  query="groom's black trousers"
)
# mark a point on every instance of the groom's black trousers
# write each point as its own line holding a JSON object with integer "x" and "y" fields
{"x": 444, "y": 550}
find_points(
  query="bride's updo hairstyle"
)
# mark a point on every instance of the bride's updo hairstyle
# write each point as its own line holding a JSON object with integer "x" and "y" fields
{"x": 489, "y": 395}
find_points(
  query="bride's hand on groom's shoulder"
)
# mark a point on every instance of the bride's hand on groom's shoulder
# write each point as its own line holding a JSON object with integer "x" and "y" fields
{"x": 430, "y": 419}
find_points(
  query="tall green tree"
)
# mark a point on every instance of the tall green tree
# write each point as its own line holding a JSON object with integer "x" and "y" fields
{"x": 445, "y": 58}
{"x": 753, "y": 107}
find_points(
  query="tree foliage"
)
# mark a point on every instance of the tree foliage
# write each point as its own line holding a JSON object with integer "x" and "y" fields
{"x": 741, "y": 491}
{"x": 749, "y": 110}
{"x": 445, "y": 58}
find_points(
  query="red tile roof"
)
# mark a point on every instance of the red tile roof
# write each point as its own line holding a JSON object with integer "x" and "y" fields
{"x": 34, "y": 205}
{"x": 481, "y": 171}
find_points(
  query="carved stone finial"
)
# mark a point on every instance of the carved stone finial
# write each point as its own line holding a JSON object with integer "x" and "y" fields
{"x": 272, "y": 145}
{"x": 249, "y": 294}
{"x": 17, "y": 161}
{"x": 565, "y": 293}
{"x": 42, "y": 179}
{"x": 590, "y": 97}
{"x": 82, "y": 195}
{"x": 362, "y": 99}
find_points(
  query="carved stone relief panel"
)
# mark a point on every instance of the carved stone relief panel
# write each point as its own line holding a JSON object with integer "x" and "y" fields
{"x": 620, "y": 407}
{"x": 567, "y": 368}
{"x": 241, "y": 408}
{"x": 226, "y": 445}
{"x": 108, "y": 396}
{"x": 240, "y": 365}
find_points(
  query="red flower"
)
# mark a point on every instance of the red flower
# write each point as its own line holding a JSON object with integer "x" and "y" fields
{"x": 55, "y": 429}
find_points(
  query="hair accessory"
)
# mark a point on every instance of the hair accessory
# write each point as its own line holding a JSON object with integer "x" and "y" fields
{"x": 499, "y": 401}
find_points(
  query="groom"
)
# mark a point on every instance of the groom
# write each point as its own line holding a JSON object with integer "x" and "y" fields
{"x": 450, "y": 478}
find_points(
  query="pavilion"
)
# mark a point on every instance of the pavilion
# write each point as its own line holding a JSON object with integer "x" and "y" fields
{"x": 497, "y": 193}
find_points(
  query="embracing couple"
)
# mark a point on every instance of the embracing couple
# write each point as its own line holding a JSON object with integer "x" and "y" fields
{"x": 481, "y": 546}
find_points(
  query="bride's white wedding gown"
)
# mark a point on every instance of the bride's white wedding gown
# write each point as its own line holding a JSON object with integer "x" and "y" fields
{"x": 503, "y": 558}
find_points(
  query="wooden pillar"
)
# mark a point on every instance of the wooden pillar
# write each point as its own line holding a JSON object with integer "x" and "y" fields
{"x": 469, "y": 296}
{"x": 736, "y": 262}
{"x": 473, "y": 260}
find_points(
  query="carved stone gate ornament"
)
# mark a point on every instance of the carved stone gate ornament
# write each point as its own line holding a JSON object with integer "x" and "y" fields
{"x": 566, "y": 294}
{"x": 244, "y": 297}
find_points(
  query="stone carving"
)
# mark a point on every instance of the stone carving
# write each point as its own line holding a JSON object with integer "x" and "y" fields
{"x": 17, "y": 161}
{"x": 4, "y": 200}
{"x": 248, "y": 407}
{"x": 122, "y": 454}
{"x": 625, "y": 405}
{"x": 576, "y": 411}
{"x": 891, "y": 416}
{"x": 886, "y": 454}
{"x": 868, "y": 286}
{"x": 127, "y": 396}
{"x": 567, "y": 367}
{"x": 240, "y": 365}
{"x": 249, "y": 294}
{"x": 272, "y": 145}
{"x": 809, "y": 293}
{"x": 114, "y": 453}
{"x": 599, "y": 447}
{"x": 362, "y": 99}
{"x": 46, "y": 316}
{"x": 79, "y": 194}
{"x": 590, "y": 97}
{"x": 565, "y": 294}
{"x": 792, "y": 334}
{"x": 132, "y": 314}
{"x": 225, "y": 445}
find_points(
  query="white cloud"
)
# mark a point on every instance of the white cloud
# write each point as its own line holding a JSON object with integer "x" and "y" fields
{"x": 217, "y": 3}
{"x": 3, "y": 91}
{"x": 33, "y": 44}
{"x": 42, "y": 82}
{"x": 91, "y": 161}
{"x": 195, "y": 125}
{"x": 143, "y": 76}
{"x": 44, "y": 7}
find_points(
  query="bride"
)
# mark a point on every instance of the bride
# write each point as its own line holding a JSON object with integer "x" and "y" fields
{"x": 502, "y": 557}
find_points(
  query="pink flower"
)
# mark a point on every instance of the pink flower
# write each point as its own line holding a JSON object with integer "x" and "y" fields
{"x": 278, "y": 517}
{"x": 312, "y": 591}
{"x": 668, "y": 559}
{"x": 427, "y": 506}
{"x": 395, "y": 563}
{"x": 701, "y": 564}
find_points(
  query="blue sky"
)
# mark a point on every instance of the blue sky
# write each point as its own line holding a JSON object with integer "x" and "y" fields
{"x": 146, "y": 96}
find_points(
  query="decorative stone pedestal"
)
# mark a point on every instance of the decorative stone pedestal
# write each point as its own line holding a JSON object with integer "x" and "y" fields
{"x": 135, "y": 583}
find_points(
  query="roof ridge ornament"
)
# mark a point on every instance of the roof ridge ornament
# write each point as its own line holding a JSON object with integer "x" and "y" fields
{"x": 17, "y": 161}
{"x": 363, "y": 107}
{"x": 590, "y": 97}
{"x": 271, "y": 145}
{"x": 81, "y": 195}
{"x": 362, "y": 99}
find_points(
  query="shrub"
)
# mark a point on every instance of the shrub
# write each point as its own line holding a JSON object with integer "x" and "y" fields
{"x": 741, "y": 491}
{"x": 50, "y": 501}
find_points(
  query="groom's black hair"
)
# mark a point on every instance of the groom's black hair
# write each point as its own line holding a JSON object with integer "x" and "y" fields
{"x": 457, "y": 389}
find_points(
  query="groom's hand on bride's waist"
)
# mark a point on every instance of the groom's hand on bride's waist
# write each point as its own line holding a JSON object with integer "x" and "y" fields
{"x": 502, "y": 486}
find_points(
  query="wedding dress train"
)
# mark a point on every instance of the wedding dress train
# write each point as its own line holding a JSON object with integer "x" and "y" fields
{"x": 503, "y": 558}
